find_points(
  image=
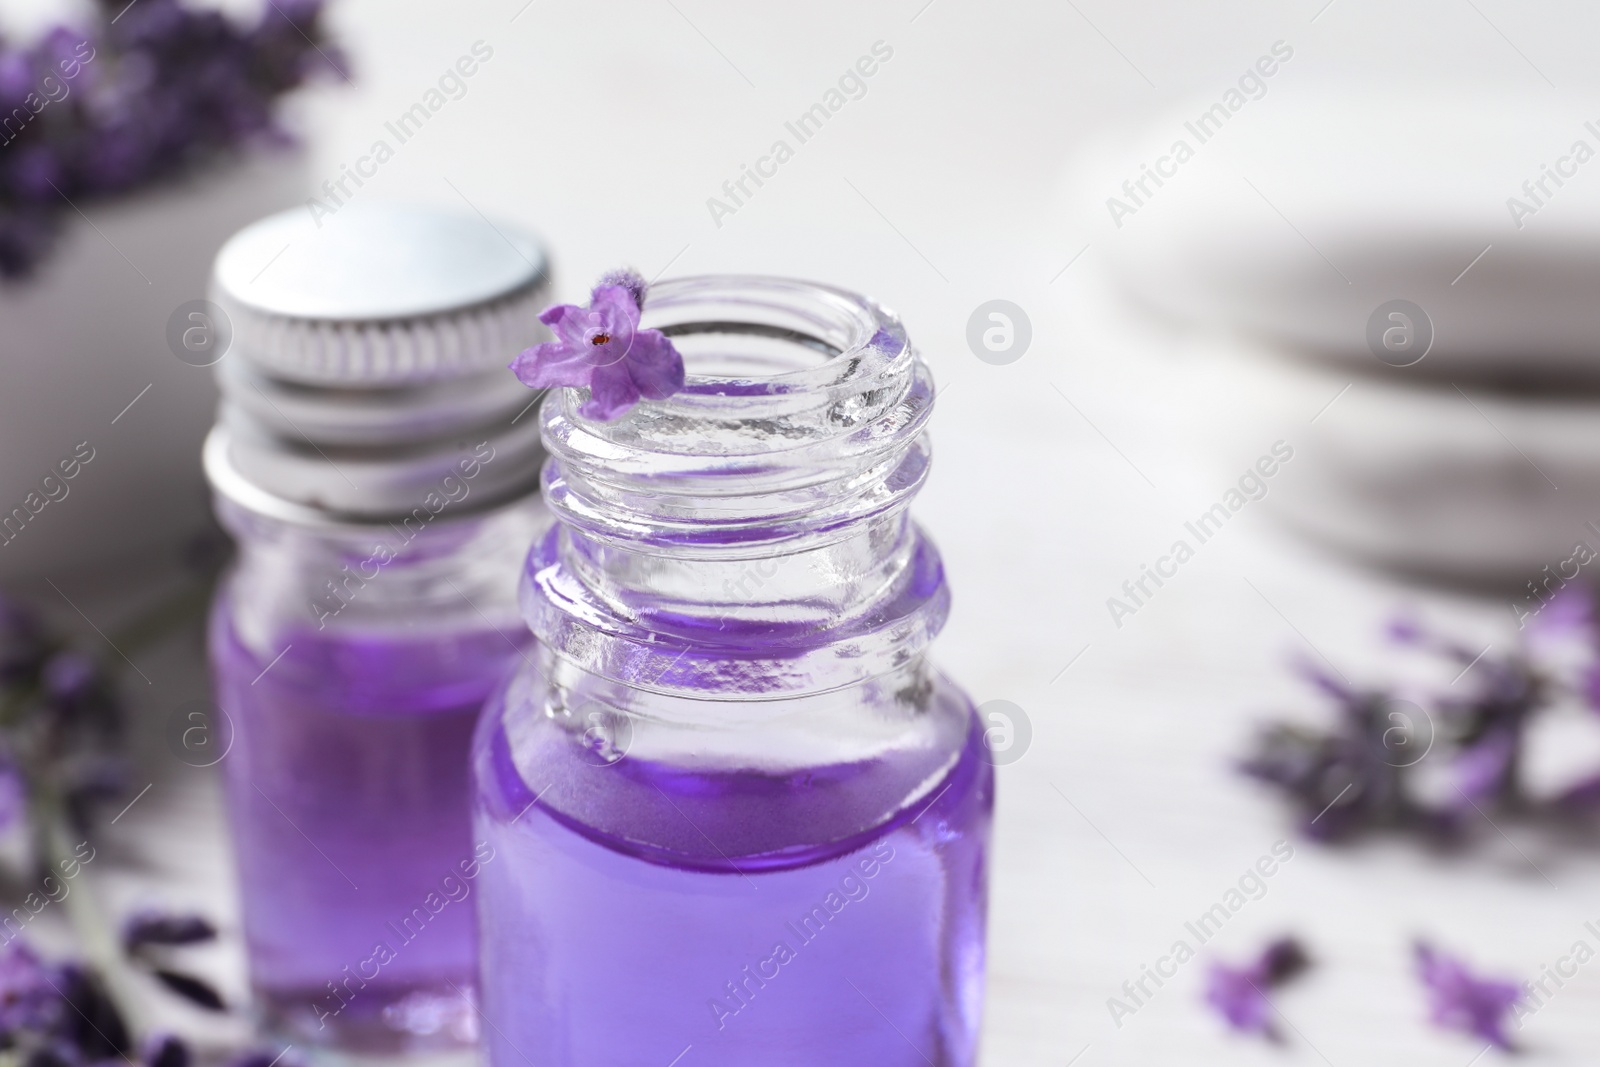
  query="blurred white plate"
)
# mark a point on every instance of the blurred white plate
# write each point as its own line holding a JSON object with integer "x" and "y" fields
{"x": 1310, "y": 208}
{"x": 1471, "y": 486}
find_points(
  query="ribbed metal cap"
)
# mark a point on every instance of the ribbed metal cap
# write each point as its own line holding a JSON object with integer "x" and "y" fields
{"x": 379, "y": 294}
{"x": 368, "y": 354}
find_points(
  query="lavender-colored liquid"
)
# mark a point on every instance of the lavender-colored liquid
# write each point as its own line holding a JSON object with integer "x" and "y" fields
{"x": 732, "y": 918}
{"x": 348, "y": 794}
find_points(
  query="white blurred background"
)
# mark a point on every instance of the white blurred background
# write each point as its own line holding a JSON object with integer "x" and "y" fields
{"x": 968, "y": 172}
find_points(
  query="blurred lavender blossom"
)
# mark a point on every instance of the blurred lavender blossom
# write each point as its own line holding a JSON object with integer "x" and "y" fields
{"x": 60, "y": 1015}
{"x": 1345, "y": 779}
{"x": 61, "y": 726}
{"x": 153, "y": 91}
{"x": 1358, "y": 773}
{"x": 56, "y": 1015}
{"x": 1239, "y": 994}
{"x": 62, "y": 734}
{"x": 1460, "y": 1000}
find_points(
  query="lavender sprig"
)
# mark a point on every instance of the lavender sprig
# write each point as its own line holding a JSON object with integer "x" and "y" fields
{"x": 602, "y": 348}
{"x": 1358, "y": 774}
{"x": 1345, "y": 779}
{"x": 1239, "y": 994}
{"x": 149, "y": 938}
{"x": 1488, "y": 723}
{"x": 1461, "y": 1000}
{"x": 62, "y": 749}
{"x": 151, "y": 92}
{"x": 61, "y": 1015}
{"x": 61, "y": 727}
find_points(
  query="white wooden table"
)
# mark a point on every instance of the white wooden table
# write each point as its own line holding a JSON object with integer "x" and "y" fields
{"x": 1057, "y": 477}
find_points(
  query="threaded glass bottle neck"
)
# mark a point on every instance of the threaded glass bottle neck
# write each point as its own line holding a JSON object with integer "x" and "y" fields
{"x": 759, "y": 515}
{"x": 801, "y": 406}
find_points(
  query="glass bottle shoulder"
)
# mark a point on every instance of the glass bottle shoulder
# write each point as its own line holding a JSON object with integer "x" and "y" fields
{"x": 749, "y": 786}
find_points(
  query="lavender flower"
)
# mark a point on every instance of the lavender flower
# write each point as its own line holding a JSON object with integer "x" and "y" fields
{"x": 148, "y": 938}
{"x": 195, "y": 990}
{"x": 630, "y": 280}
{"x": 151, "y": 927}
{"x": 60, "y": 1015}
{"x": 1240, "y": 993}
{"x": 1489, "y": 724}
{"x": 1459, "y": 1000}
{"x": 1484, "y": 768}
{"x": 1570, "y": 611}
{"x": 602, "y": 348}
{"x": 1350, "y": 777}
{"x": 285, "y": 1057}
{"x": 78, "y": 691}
{"x": 23, "y": 644}
{"x": 61, "y": 723}
{"x": 60, "y": 734}
{"x": 1343, "y": 780}
{"x": 56, "y": 1014}
{"x": 158, "y": 89}
{"x": 29, "y": 999}
{"x": 165, "y": 1050}
{"x": 95, "y": 1023}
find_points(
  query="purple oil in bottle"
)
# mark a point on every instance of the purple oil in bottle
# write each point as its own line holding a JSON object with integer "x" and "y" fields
{"x": 736, "y": 816}
{"x": 745, "y": 917}
{"x": 371, "y": 462}
{"x": 348, "y": 790}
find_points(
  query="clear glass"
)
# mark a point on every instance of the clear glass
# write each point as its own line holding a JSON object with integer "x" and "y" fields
{"x": 352, "y": 661}
{"x": 736, "y": 816}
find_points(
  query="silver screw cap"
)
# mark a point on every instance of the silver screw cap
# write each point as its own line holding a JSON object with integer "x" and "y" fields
{"x": 368, "y": 356}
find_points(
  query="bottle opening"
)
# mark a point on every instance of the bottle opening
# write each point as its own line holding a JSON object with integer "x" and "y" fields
{"x": 730, "y": 351}
{"x": 778, "y": 335}
{"x": 769, "y": 497}
{"x": 782, "y": 372}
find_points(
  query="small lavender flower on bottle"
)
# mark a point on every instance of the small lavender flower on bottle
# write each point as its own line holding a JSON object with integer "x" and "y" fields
{"x": 601, "y": 348}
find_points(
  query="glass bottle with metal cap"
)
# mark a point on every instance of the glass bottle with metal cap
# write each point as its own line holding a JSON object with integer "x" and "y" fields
{"x": 379, "y": 468}
{"x": 739, "y": 817}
